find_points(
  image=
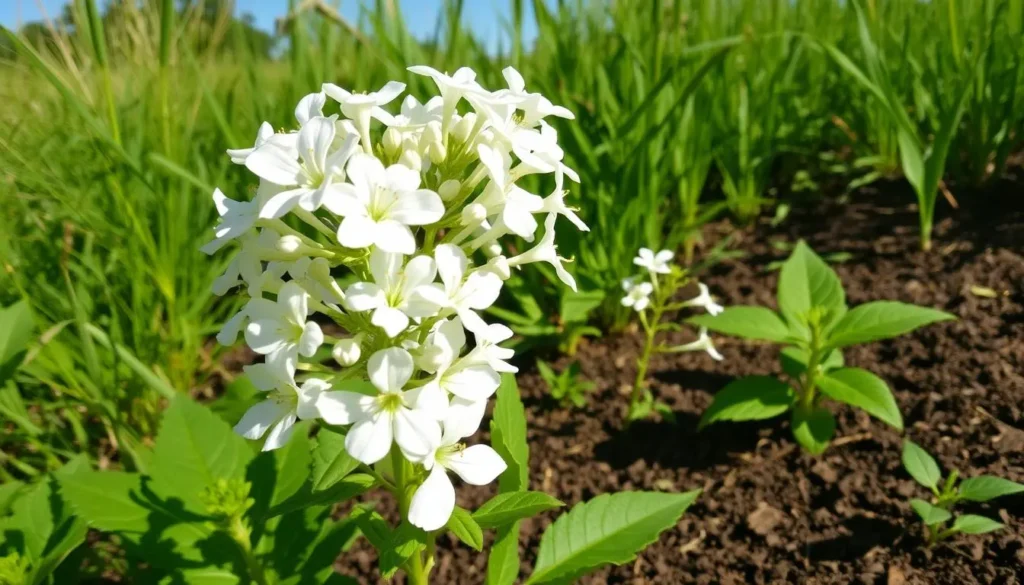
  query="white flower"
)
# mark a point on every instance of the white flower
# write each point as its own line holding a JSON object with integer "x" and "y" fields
{"x": 555, "y": 203}
{"x": 657, "y": 263}
{"x": 236, "y": 218}
{"x": 360, "y": 107}
{"x": 637, "y": 295}
{"x": 704, "y": 300}
{"x": 703, "y": 343}
{"x": 546, "y": 251}
{"x": 380, "y": 204}
{"x": 308, "y": 170}
{"x": 309, "y": 107}
{"x": 534, "y": 106}
{"x": 390, "y": 296}
{"x": 516, "y": 205}
{"x": 452, "y": 87}
{"x": 471, "y": 378}
{"x": 416, "y": 115}
{"x": 461, "y": 294}
{"x": 347, "y": 351}
{"x": 488, "y": 352}
{"x": 390, "y": 416}
{"x": 280, "y": 328}
{"x": 434, "y": 500}
{"x": 285, "y": 403}
{"x": 247, "y": 265}
{"x": 238, "y": 155}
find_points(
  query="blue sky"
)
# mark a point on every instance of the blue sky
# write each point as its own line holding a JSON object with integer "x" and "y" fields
{"x": 484, "y": 17}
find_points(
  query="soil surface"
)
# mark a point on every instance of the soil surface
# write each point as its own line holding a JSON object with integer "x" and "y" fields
{"x": 769, "y": 513}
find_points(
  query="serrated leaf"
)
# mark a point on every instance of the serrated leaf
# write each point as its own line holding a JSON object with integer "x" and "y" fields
{"x": 750, "y": 398}
{"x": 348, "y": 487}
{"x": 865, "y": 390}
{"x": 986, "y": 487}
{"x": 974, "y": 524}
{"x": 610, "y": 529}
{"x": 16, "y": 329}
{"x": 813, "y": 430}
{"x": 920, "y": 465}
{"x": 806, "y": 281}
{"x": 508, "y": 435}
{"x": 794, "y": 360}
{"x": 194, "y": 448}
{"x": 465, "y": 528}
{"x": 331, "y": 462}
{"x": 747, "y": 322}
{"x": 511, "y": 507}
{"x": 931, "y": 515}
{"x": 882, "y": 320}
{"x": 287, "y": 472}
{"x": 503, "y": 558}
{"x": 9, "y": 492}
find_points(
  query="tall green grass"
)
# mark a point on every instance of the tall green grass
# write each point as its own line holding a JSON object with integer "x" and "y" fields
{"x": 114, "y": 131}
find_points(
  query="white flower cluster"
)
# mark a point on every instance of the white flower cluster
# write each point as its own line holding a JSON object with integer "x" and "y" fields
{"x": 638, "y": 295}
{"x": 414, "y": 206}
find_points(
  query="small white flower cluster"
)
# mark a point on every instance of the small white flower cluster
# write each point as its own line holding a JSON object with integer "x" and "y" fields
{"x": 415, "y": 209}
{"x": 638, "y": 295}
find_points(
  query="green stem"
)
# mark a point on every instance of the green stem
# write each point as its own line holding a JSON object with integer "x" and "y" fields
{"x": 811, "y": 375}
{"x": 418, "y": 574}
{"x": 240, "y": 534}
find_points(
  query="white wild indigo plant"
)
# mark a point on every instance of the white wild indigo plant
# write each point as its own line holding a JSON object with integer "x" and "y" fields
{"x": 652, "y": 294}
{"x": 390, "y": 227}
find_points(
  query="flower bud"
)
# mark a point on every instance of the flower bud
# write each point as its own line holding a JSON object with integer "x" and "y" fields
{"x": 437, "y": 152}
{"x": 449, "y": 189}
{"x": 289, "y": 244}
{"x": 499, "y": 265}
{"x": 412, "y": 160}
{"x": 463, "y": 127}
{"x": 473, "y": 214}
{"x": 493, "y": 249}
{"x": 347, "y": 351}
{"x": 320, "y": 270}
{"x": 392, "y": 142}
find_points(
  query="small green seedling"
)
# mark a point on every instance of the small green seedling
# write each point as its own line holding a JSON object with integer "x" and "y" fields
{"x": 567, "y": 387}
{"x": 813, "y": 325}
{"x": 945, "y": 494}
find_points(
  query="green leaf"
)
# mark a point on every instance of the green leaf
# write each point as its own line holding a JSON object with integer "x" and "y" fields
{"x": 193, "y": 449}
{"x": 507, "y": 508}
{"x": 291, "y": 464}
{"x": 750, "y": 398}
{"x": 920, "y": 465}
{"x": 912, "y": 160}
{"x": 610, "y": 529}
{"x": 987, "y": 487}
{"x": 331, "y": 462}
{"x": 33, "y": 518}
{"x": 865, "y": 390}
{"x": 503, "y": 559}
{"x": 577, "y": 306}
{"x": 813, "y": 430}
{"x": 465, "y": 528}
{"x": 974, "y": 524}
{"x": 405, "y": 541}
{"x": 746, "y": 322}
{"x": 16, "y": 329}
{"x": 508, "y": 435}
{"x": 348, "y": 487}
{"x": 805, "y": 281}
{"x": 931, "y": 515}
{"x": 205, "y": 576}
{"x": 238, "y": 396}
{"x": 794, "y": 360}
{"x": 9, "y": 492}
{"x": 882, "y": 320}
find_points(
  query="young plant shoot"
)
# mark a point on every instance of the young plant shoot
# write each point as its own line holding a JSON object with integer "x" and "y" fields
{"x": 813, "y": 325}
{"x": 411, "y": 209}
{"x": 945, "y": 494}
{"x": 651, "y": 295}
{"x": 567, "y": 386}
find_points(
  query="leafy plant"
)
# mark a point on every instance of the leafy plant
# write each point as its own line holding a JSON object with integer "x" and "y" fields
{"x": 664, "y": 279}
{"x": 566, "y": 386}
{"x": 936, "y": 513}
{"x": 39, "y": 531}
{"x": 814, "y": 324}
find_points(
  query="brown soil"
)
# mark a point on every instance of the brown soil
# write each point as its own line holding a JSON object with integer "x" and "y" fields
{"x": 770, "y": 514}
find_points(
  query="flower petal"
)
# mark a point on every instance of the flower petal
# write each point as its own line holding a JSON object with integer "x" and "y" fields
{"x": 389, "y": 369}
{"x": 417, "y": 434}
{"x": 281, "y": 432}
{"x": 370, "y": 440}
{"x": 344, "y": 408}
{"x": 474, "y": 382}
{"x": 358, "y": 231}
{"x": 451, "y": 265}
{"x": 274, "y": 163}
{"x": 462, "y": 419}
{"x": 312, "y": 338}
{"x": 391, "y": 320}
{"x": 433, "y": 502}
{"x": 260, "y": 417}
{"x": 476, "y": 465}
{"x": 420, "y": 207}
{"x": 428, "y": 398}
{"x": 363, "y": 296}
{"x": 392, "y": 236}
{"x": 264, "y": 336}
